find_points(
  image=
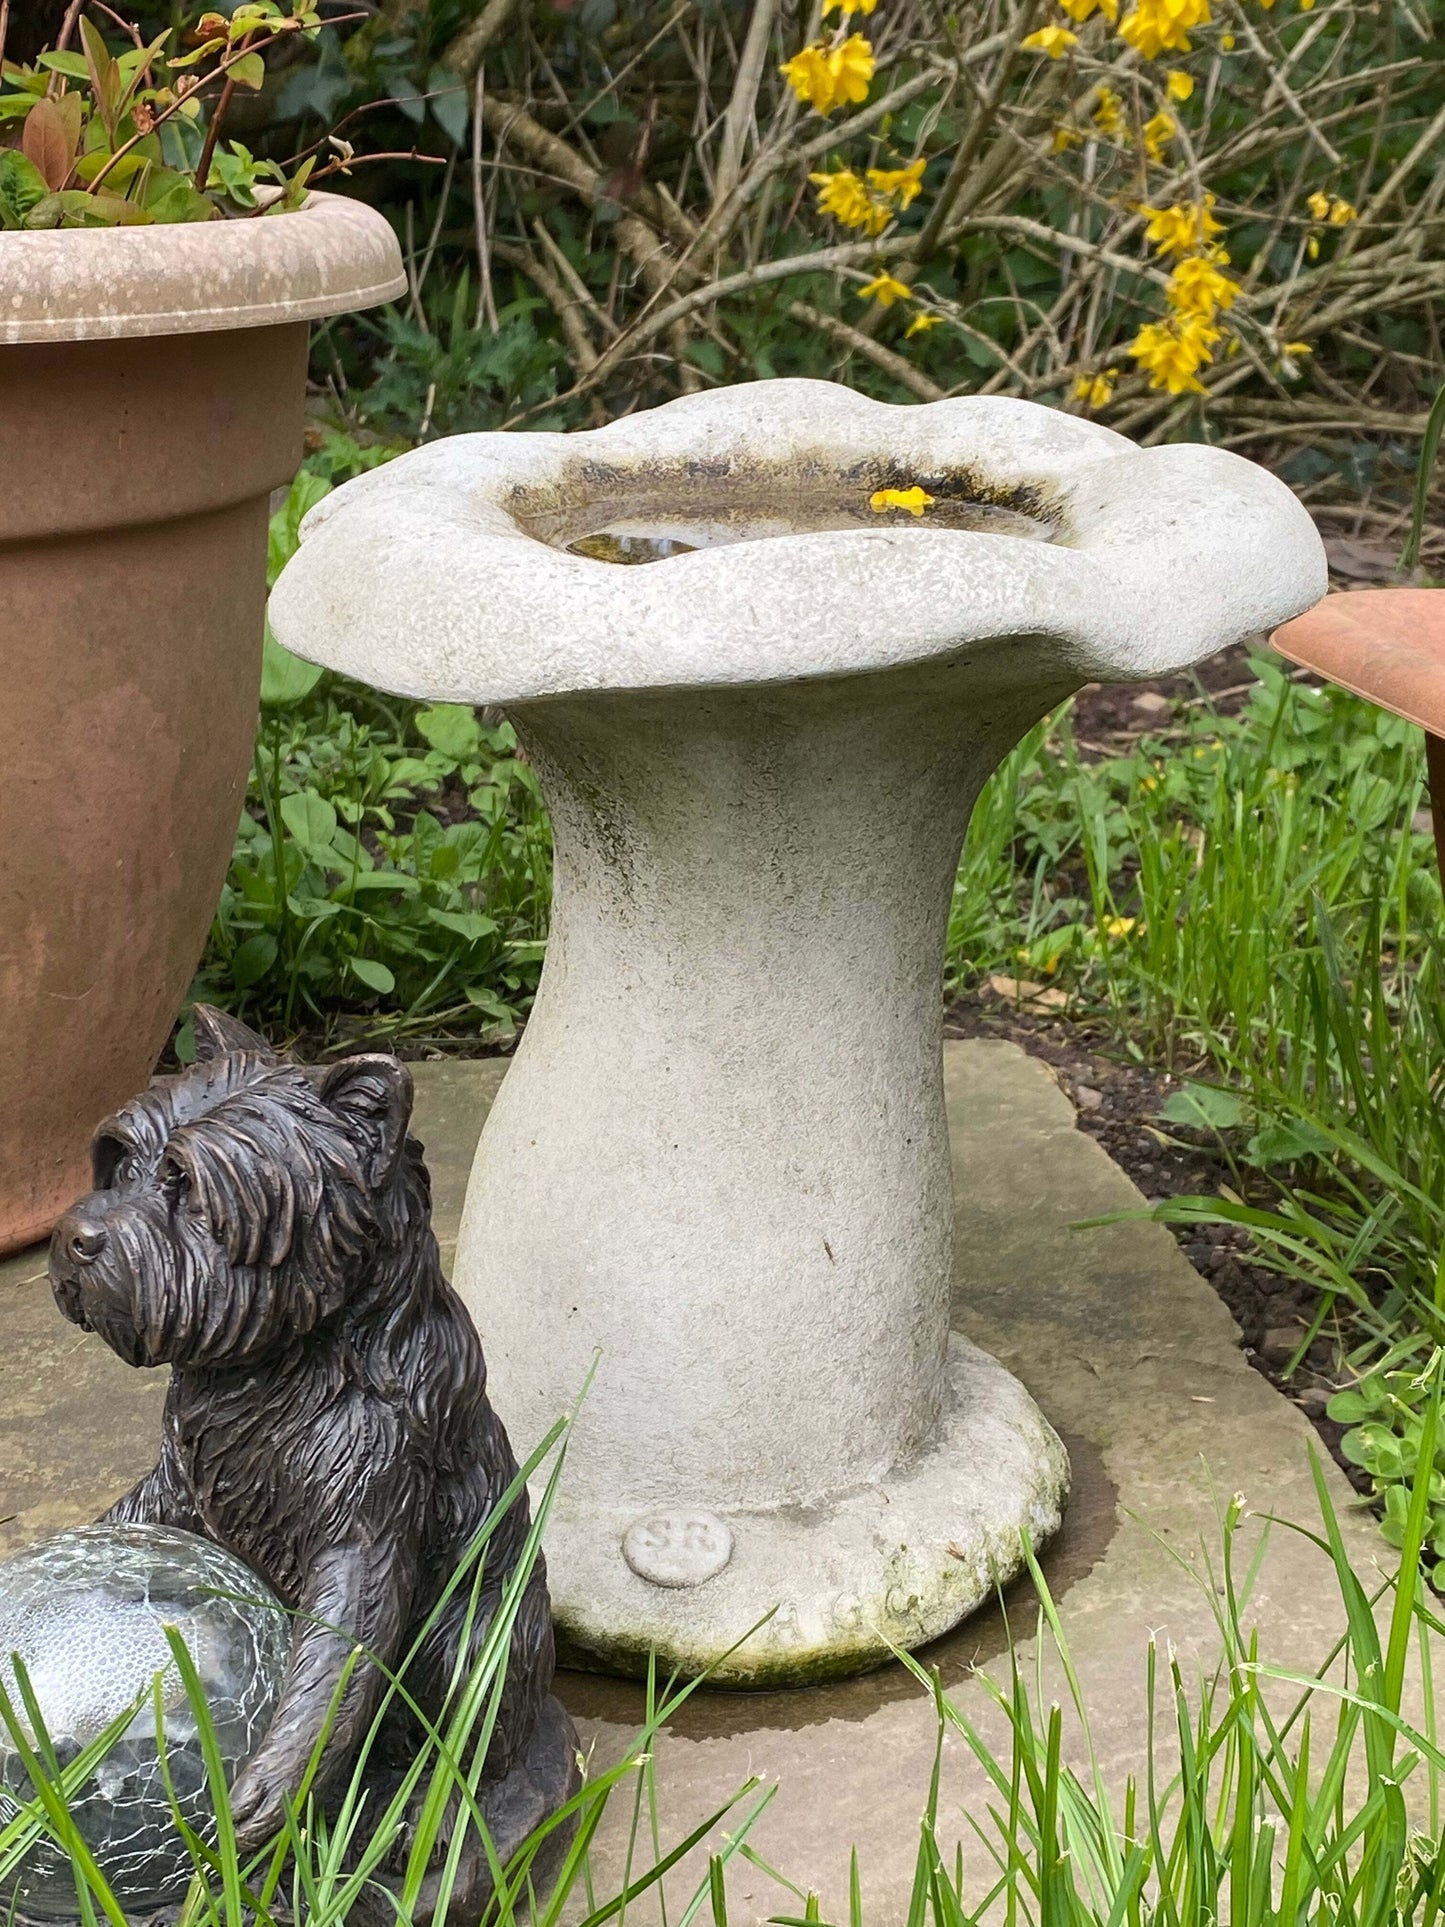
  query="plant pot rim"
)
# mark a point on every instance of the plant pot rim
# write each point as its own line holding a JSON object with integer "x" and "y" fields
{"x": 104, "y": 284}
{"x": 440, "y": 577}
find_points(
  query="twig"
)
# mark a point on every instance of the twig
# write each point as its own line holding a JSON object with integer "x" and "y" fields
{"x": 580, "y": 351}
{"x": 213, "y": 132}
{"x": 848, "y": 254}
{"x": 1055, "y": 238}
{"x": 347, "y": 163}
{"x": 557, "y": 255}
{"x": 1286, "y": 93}
{"x": 465, "y": 54}
{"x": 901, "y": 370}
{"x": 419, "y": 278}
{"x": 487, "y": 305}
{"x": 68, "y": 25}
{"x": 126, "y": 26}
{"x": 743, "y": 104}
{"x": 1428, "y": 141}
{"x": 947, "y": 197}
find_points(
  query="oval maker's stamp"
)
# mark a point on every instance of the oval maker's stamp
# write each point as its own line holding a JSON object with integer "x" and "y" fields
{"x": 677, "y": 1548}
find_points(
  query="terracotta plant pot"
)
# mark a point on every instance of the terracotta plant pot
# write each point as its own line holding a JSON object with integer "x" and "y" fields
{"x": 153, "y": 382}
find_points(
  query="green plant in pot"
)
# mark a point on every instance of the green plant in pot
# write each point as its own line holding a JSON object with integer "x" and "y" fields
{"x": 159, "y": 285}
{"x": 104, "y": 137}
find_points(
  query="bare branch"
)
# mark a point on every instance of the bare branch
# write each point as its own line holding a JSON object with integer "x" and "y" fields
{"x": 902, "y": 370}
{"x": 743, "y": 104}
{"x": 468, "y": 50}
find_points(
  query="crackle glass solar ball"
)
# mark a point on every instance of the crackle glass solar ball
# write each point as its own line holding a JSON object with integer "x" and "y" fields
{"x": 86, "y": 1612}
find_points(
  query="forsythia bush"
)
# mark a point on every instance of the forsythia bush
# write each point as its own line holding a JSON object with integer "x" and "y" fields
{"x": 1204, "y": 217}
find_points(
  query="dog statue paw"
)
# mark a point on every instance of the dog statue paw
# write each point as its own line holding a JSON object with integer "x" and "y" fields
{"x": 264, "y": 1229}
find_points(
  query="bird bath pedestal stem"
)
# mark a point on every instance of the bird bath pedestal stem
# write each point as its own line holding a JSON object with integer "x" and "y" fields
{"x": 719, "y": 1167}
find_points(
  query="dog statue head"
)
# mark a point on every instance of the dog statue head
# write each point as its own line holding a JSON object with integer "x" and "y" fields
{"x": 237, "y": 1204}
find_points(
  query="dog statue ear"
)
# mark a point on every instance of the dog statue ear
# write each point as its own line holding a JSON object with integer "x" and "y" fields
{"x": 373, "y": 1094}
{"x": 217, "y": 1035}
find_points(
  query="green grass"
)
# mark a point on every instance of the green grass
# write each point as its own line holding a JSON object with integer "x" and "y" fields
{"x": 1253, "y": 902}
{"x": 1271, "y": 1795}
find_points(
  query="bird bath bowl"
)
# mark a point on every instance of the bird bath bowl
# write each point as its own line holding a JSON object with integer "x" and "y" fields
{"x": 719, "y": 1165}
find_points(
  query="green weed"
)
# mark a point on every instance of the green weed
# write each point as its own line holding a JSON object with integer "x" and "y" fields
{"x": 392, "y": 869}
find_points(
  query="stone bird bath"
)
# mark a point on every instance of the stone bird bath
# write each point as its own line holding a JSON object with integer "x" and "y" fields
{"x": 719, "y": 1163}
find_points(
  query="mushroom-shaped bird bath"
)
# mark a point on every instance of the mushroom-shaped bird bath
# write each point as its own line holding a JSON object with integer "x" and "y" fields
{"x": 719, "y": 1164}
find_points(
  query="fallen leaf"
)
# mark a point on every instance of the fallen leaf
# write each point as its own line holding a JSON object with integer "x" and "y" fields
{"x": 1014, "y": 988}
{"x": 1028, "y": 996}
{"x": 1360, "y": 561}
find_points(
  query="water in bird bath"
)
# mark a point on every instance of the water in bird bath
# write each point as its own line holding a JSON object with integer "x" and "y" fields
{"x": 617, "y": 533}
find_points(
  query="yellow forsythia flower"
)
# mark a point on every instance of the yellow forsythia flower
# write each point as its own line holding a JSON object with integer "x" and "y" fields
{"x": 827, "y": 77}
{"x": 1182, "y": 228}
{"x": 885, "y": 289}
{"x": 808, "y": 75}
{"x": 1065, "y": 137}
{"x": 921, "y": 323}
{"x": 869, "y": 203}
{"x": 1109, "y": 115}
{"x": 1082, "y": 10}
{"x": 1171, "y": 352}
{"x": 858, "y": 6}
{"x": 1226, "y": 41}
{"x": 914, "y": 500}
{"x": 1116, "y": 927}
{"x": 1199, "y": 287}
{"x": 1096, "y": 391}
{"x": 1159, "y": 25}
{"x": 1180, "y": 85}
{"x": 852, "y": 66}
{"x": 1158, "y": 133}
{"x": 1298, "y": 348}
{"x": 1051, "y": 40}
{"x": 1329, "y": 207}
{"x": 844, "y": 196}
{"x": 901, "y": 184}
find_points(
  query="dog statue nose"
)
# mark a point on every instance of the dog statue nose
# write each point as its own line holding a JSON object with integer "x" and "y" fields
{"x": 81, "y": 1237}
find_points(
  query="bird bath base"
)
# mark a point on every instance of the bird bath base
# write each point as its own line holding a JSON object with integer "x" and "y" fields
{"x": 716, "y": 1182}
{"x": 835, "y": 1585}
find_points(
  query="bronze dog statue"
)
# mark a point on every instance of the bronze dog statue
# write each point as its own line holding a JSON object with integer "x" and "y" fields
{"x": 264, "y": 1229}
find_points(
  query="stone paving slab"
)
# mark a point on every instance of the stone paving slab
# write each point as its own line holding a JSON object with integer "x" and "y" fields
{"x": 1131, "y": 1355}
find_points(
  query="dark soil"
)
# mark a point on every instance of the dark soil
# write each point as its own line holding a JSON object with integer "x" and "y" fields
{"x": 1109, "y": 718}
